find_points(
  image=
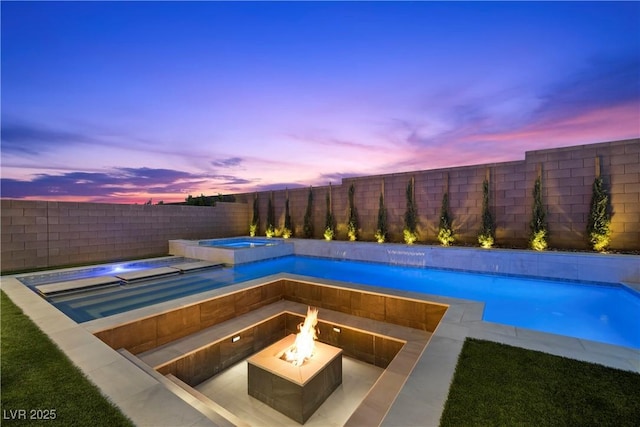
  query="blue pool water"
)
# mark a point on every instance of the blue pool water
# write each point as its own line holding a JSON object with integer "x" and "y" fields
{"x": 600, "y": 313}
{"x": 238, "y": 243}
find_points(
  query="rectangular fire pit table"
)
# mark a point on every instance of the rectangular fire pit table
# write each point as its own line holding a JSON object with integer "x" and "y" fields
{"x": 295, "y": 391}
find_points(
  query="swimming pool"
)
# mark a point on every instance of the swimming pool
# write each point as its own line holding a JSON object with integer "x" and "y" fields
{"x": 601, "y": 313}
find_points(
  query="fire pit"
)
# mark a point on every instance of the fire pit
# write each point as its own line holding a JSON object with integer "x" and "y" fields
{"x": 293, "y": 377}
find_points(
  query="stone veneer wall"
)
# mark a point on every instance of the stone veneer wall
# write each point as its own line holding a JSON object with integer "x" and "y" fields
{"x": 567, "y": 177}
{"x": 37, "y": 234}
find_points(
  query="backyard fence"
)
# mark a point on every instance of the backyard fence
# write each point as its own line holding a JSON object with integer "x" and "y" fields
{"x": 566, "y": 176}
{"x": 39, "y": 234}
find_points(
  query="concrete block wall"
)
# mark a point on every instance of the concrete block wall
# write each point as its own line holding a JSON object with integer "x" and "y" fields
{"x": 567, "y": 177}
{"x": 38, "y": 234}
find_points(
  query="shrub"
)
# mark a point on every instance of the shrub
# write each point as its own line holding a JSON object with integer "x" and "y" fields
{"x": 328, "y": 233}
{"x": 410, "y": 217}
{"x": 486, "y": 236}
{"x": 381, "y": 231}
{"x": 255, "y": 220}
{"x": 307, "y": 226}
{"x": 352, "y": 223}
{"x": 445, "y": 230}
{"x": 409, "y": 237}
{"x": 200, "y": 200}
{"x": 538, "y": 238}
{"x": 599, "y": 222}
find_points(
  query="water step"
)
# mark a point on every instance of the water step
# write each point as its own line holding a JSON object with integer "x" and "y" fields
{"x": 195, "y": 265}
{"x": 76, "y": 285}
{"x": 147, "y": 273}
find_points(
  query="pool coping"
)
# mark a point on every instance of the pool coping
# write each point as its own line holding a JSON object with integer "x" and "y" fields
{"x": 420, "y": 401}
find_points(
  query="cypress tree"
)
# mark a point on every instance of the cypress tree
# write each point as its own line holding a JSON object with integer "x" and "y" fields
{"x": 486, "y": 236}
{"x": 307, "y": 226}
{"x": 445, "y": 231}
{"x": 352, "y": 223}
{"x": 329, "y": 224}
{"x": 253, "y": 227}
{"x": 381, "y": 231}
{"x": 271, "y": 228}
{"x": 538, "y": 238}
{"x": 410, "y": 217}
{"x": 598, "y": 231}
{"x": 287, "y": 231}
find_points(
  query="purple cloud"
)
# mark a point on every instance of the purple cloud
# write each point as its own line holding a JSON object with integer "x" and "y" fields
{"x": 29, "y": 139}
{"x": 602, "y": 83}
{"x": 227, "y": 163}
{"x": 118, "y": 183}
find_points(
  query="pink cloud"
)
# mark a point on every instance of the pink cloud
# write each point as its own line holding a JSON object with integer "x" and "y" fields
{"x": 603, "y": 124}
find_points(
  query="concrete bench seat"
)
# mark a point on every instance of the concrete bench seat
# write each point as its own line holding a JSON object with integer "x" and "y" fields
{"x": 77, "y": 285}
{"x": 175, "y": 349}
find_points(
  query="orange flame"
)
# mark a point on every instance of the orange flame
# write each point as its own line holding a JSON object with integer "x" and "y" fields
{"x": 304, "y": 345}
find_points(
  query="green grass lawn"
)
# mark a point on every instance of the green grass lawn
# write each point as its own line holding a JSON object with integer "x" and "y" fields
{"x": 40, "y": 380}
{"x": 500, "y": 385}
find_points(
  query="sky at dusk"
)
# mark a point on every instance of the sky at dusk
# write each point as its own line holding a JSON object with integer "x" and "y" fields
{"x": 129, "y": 101}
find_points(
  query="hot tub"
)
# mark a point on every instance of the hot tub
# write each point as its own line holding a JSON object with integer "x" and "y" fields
{"x": 232, "y": 251}
{"x": 239, "y": 242}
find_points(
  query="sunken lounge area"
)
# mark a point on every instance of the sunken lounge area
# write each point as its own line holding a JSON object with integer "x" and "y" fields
{"x": 188, "y": 345}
